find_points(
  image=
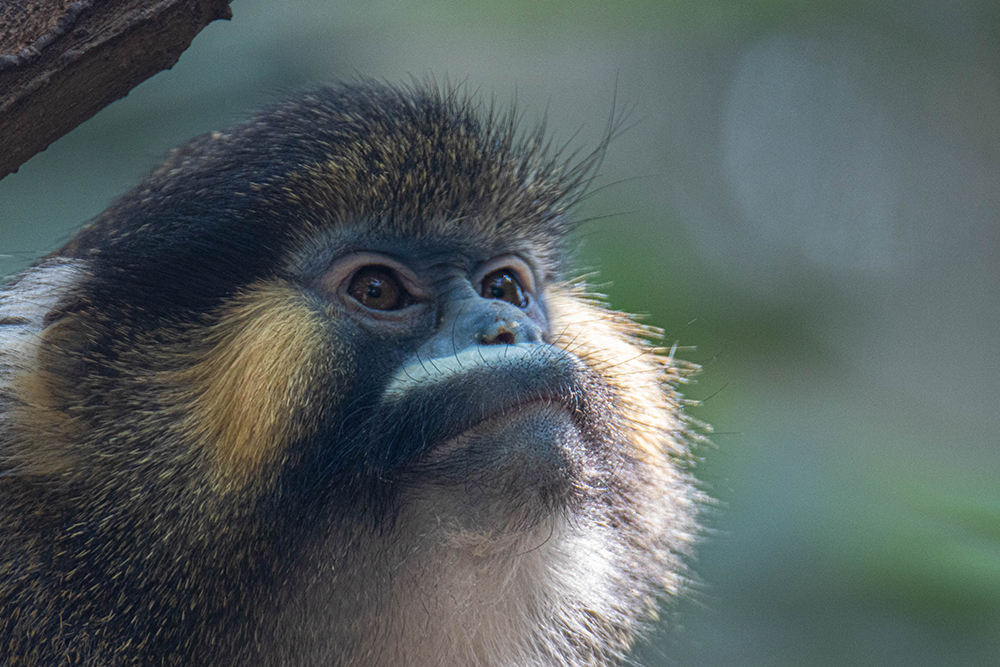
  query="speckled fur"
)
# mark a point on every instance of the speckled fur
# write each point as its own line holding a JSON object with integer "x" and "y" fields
{"x": 168, "y": 388}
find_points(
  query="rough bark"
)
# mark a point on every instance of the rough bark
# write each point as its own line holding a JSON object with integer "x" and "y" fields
{"x": 62, "y": 61}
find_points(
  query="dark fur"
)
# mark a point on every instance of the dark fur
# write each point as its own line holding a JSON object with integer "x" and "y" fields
{"x": 124, "y": 540}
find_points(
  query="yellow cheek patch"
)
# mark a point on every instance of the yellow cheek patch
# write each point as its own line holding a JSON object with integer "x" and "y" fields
{"x": 263, "y": 381}
{"x": 613, "y": 344}
{"x": 42, "y": 428}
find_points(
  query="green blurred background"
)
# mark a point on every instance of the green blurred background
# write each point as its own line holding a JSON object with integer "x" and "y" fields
{"x": 808, "y": 194}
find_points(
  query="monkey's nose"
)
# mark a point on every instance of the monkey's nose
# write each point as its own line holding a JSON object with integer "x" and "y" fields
{"x": 504, "y": 324}
{"x": 503, "y": 334}
{"x": 483, "y": 322}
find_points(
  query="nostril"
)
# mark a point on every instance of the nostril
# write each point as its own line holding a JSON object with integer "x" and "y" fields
{"x": 501, "y": 337}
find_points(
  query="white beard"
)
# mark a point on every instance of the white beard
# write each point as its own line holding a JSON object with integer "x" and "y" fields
{"x": 456, "y": 598}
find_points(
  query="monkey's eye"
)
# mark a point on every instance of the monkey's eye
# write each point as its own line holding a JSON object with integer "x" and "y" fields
{"x": 379, "y": 288}
{"x": 504, "y": 284}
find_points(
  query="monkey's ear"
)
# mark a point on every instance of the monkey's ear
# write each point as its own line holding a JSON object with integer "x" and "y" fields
{"x": 36, "y": 434}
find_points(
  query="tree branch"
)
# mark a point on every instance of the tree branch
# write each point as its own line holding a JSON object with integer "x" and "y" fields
{"x": 62, "y": 61}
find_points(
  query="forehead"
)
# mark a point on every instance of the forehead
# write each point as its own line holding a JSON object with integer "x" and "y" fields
{"x": 232, "y": 208}
{"x": 429, "y": 169}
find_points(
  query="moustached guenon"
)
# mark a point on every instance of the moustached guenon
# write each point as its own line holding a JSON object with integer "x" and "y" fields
{"x": 321, "y": 391}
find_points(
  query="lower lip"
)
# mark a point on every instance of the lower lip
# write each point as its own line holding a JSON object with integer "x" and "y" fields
{"x": 482, "y": 429}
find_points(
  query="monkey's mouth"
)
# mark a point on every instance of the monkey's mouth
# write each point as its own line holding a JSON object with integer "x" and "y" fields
{"x": 487, "y": 408}
{"x": 524, "y": 427}
{"x": 509, "y": 471}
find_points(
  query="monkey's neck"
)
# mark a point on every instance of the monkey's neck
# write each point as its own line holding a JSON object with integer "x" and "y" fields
{"x": 453, "y": 597}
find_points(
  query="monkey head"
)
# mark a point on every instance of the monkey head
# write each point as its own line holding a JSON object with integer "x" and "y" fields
{"x": 321, "y": 391}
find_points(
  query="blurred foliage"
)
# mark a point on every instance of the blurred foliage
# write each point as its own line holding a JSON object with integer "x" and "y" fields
{"x": 631, "y": 15}
{"x": 858, "y": 514}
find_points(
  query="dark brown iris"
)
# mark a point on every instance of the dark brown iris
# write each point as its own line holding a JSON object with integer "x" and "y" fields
{"x": 378, "y": 288}
{"x": 504, "y": 285}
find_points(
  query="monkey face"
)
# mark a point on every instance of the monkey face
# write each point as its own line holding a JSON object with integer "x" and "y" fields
{"x": 462, "y": 396}
{"x": 321, "y": 390}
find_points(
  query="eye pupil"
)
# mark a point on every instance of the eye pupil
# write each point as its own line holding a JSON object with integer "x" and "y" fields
{"x": 379, "y": 288}
{"x": 504, "y": 285}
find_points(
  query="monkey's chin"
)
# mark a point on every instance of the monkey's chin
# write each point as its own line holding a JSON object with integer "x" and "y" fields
{"x": 514, "y": 469}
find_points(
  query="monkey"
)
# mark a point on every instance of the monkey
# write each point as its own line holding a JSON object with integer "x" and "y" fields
{"x": 323, "y": 389}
